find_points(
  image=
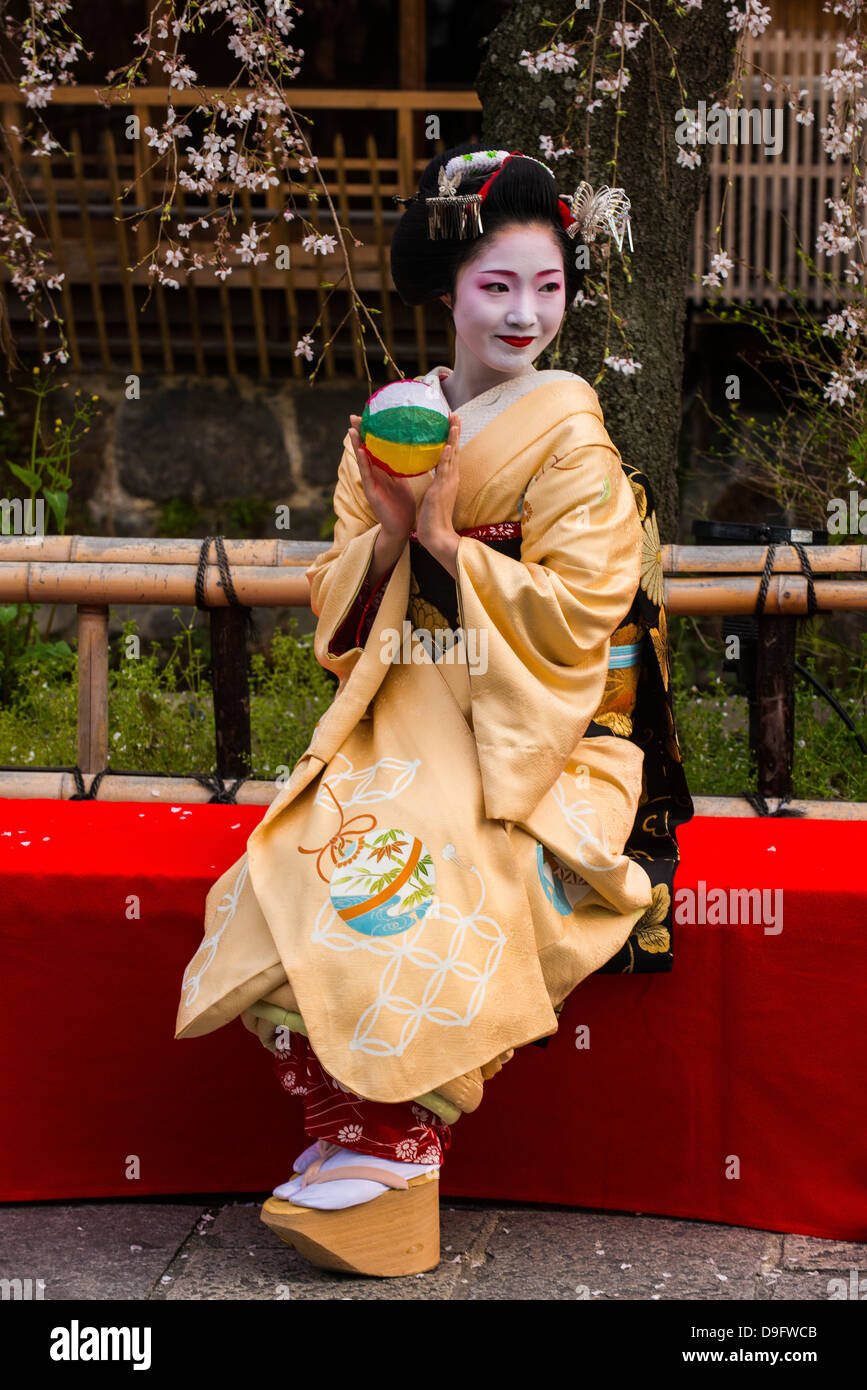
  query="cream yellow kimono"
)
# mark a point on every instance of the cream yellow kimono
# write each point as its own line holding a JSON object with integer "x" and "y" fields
{"x": 395, "y": 902}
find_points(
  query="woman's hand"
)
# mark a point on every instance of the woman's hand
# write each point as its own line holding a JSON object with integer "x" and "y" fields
{"x": 434, "y": 522}
{"x": 391, "y": 500}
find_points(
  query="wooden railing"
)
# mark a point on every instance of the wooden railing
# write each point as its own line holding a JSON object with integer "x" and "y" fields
{"x": 256, "y": 312}
{"x": 93, "y": 571}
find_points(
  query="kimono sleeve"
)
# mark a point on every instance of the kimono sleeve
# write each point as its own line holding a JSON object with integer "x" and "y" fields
{"x": 544, "y": 621}
{"x": 340, "y": 590}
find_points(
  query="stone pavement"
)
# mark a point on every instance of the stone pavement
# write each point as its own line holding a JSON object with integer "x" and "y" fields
{"x": 215, "y": 1247}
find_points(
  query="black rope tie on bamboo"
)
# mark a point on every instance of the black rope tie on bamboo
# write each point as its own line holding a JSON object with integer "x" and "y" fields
{"x": 80, "y": 794}
{"x": 756, "y": 799}
{"x": 806, "y": 570}
{"x": 226, "y": 577}
{"x": 222, "y": 794}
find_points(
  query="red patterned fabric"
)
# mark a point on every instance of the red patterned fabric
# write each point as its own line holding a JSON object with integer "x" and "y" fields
{"x": 407, "y": 1133}
{"x": 492, "y": 530}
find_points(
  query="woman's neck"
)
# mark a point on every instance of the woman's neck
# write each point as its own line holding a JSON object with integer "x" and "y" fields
{"x": 470, "y": 380}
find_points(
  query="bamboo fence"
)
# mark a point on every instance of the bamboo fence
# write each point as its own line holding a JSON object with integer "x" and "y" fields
{"x": 94, "y": 571}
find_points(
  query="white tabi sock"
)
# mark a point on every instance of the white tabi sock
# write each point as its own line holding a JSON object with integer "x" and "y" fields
{"x": 301, "y": 1164}
{"x": 351, "y": 1192}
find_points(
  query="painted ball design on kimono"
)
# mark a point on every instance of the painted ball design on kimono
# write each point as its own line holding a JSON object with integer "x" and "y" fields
{"x": 383, "y": 884}
{"x": 562, "y": 886}
{"x": 404, "y": 427}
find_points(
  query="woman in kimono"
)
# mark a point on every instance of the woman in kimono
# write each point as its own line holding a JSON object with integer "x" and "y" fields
{"x": 446, "y": 862}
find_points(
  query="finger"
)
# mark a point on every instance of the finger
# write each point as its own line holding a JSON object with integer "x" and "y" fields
{"x": 354, "y": 432}
{"x": 363, "y": 462}
{"x": 364, "y": 472}
{"x": 360, "y": 450}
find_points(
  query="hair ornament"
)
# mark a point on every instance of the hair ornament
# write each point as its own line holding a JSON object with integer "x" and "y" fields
{"x": 455, "y": 215}
{"x": 592, "y": 213}
{"x": 451, "y": 214}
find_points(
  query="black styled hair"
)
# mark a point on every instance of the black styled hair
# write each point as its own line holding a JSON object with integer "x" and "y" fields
{"x": 423, "y": 268}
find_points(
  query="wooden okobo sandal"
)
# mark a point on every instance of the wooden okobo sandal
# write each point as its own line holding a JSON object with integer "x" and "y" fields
{"x": 393, "y": 1234}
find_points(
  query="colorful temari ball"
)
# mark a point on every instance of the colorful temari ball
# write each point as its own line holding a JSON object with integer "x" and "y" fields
{"x": 405, "y": 426}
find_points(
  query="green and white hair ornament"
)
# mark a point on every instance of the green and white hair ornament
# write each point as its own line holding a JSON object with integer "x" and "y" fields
{"x": 459, "y": 215}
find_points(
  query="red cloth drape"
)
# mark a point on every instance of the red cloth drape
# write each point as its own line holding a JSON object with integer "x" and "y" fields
{"x": 750, "y": 1050}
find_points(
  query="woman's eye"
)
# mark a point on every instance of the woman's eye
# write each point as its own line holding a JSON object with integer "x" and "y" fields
{"x": 498, "y": 284}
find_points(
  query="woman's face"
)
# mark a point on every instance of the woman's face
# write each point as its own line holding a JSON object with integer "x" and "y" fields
{"x": 514, "y": 289}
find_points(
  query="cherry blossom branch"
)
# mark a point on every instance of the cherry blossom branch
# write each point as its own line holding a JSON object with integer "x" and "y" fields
{"x": 218, "y": 163}
{"x": 843, "y": 135}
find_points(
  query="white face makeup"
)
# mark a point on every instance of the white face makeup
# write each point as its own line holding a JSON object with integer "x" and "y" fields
{"x": 515, "y": 290}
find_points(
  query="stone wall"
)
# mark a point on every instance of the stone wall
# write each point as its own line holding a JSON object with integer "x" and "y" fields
{"x": 192, "y": 457}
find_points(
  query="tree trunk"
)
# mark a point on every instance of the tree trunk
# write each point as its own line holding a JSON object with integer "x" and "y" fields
{"x": 642, "y": 411}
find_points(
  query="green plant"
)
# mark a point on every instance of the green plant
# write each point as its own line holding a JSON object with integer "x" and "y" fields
{"x": 47, "y": 475}
{"x": 247, "y": 515}
{"x": 291, "y": 693}
{"x": 160, "y": 715}
{"x": 161, "y": 711}
{"x": 38, "y": 727}
{"x": 177, "y": 517}
{"x": 712, "y": 721}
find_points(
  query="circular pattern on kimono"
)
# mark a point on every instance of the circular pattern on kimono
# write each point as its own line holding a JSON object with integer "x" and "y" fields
{"x": 383, "y": 884}
{"x": 562, "y": 886}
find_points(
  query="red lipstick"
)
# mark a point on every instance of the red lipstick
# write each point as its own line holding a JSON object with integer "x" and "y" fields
{"x": 515, "y": 342}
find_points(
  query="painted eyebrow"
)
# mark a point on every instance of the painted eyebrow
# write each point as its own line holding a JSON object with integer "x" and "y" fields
{"x": 555, "y": 271}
